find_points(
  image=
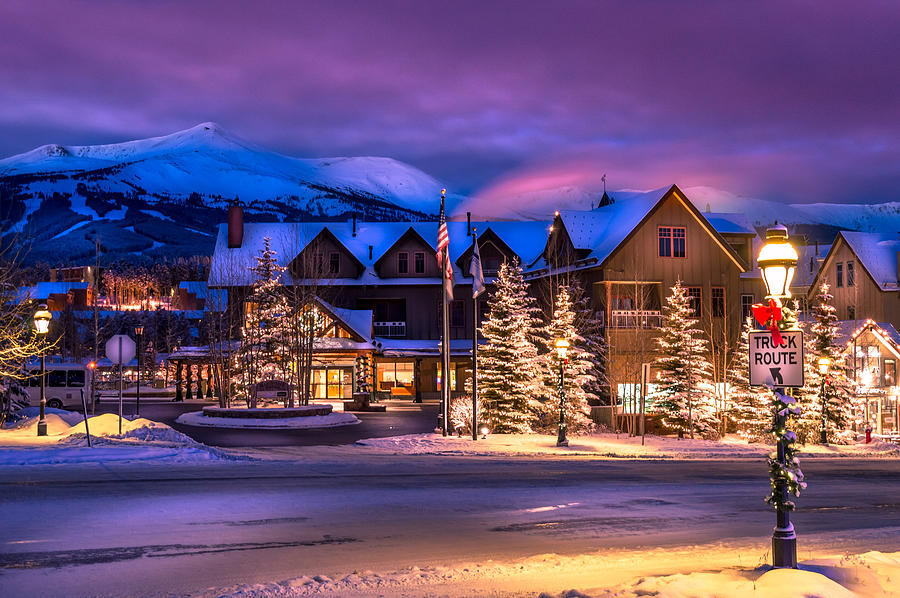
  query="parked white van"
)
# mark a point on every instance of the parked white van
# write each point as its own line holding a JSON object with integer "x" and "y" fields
{"x": 63, "y": 385}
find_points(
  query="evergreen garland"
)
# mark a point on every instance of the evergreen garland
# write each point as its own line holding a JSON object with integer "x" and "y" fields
{"x": 788, "y": 473}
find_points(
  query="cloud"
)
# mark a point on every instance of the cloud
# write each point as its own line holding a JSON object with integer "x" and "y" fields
{"x": 791, "y": 99}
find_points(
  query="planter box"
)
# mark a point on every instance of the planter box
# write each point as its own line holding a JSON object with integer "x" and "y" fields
{"x": 278, "y": 413}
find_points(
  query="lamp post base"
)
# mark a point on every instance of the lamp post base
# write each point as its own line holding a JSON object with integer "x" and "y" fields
{"x": 42, "y": 421}
{"x": 784, "y": 548}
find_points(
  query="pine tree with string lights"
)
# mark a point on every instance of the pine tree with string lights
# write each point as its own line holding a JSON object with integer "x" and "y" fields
{"x": 579, "y": 377}
{"x": 751, "y": 411}
{"x": 838, "y": 405}
{"x": 263, "y": 353}
{"x": 685, "y": 396}
{"x": 509, "y": 374}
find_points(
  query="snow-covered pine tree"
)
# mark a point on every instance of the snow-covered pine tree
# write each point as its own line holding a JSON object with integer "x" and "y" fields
{"x": 262, "y": 354}
{"x": 509, "y": 377}
{"x": 751, "y": 409}
{"x": 685, "y": 396}
{"x": 838, "y": 404}
{"x": 578, "y": 370}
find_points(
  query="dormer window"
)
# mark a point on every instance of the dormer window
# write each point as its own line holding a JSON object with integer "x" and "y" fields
{"x": 491, "y": 265}
{"x": 334, "y": 262}
{"x": 672, "y": 241}
{"x": 403, "y": 262}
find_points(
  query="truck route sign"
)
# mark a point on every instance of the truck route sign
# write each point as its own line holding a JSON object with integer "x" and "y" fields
{"x": 779, "y": 365}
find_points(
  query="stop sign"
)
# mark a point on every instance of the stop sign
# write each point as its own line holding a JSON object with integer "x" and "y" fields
{"x": 120, "y": 349}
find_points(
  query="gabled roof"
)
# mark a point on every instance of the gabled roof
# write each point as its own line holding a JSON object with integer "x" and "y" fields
{"x": 488, "y": 236}
{"x": 411, "y": 233}
{"x": 876, "y": 252}
{"x": 850, "y": 330}
{"x": 605, "y": 229}
{"x": 326, "y": 233}
{"x": 230, "y": 266}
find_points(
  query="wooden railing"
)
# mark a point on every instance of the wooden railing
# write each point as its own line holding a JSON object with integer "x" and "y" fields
{"x": 389, "y": 329}
{"x": 632, "y": 318}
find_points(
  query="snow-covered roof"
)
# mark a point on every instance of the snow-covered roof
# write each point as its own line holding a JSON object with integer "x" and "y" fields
{"x": 215, "y": 298}
{"x": 42, "y": 290}
{"x": 392, "y": 347}
{"x": 230, "y": 266}
{"x": 849, "y": 330}
{"x": 358, "y": 320}
{"x": 878, "y": 254}
{"x": 730, "y": 223}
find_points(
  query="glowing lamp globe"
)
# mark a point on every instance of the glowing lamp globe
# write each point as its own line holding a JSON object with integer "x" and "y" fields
{"x": 138, "y": 330}
{"x": 824, "y": 364}
{"x": 777, "y": 261}
{"x": 42, "y": 319}
{"x": 562, "y": 346}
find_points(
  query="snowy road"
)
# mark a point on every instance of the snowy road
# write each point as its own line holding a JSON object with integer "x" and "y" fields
{"x": 116, "y": 529}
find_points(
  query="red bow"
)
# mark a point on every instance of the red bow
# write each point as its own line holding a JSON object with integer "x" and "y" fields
{"x": 768, "y": 316}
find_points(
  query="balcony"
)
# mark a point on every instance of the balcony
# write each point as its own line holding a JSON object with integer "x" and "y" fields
{"x": 632, "y": 318}
{"x": 389, "y": 329}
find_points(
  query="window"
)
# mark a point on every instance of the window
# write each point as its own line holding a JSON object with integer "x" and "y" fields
{"x": 403, "y": 262}
{"x": 490, "y": 265}
{"x": 718, "y": 302}
{"x": 319, "y": 263}
{"x": 672, "y": 241}
{"x": 851, "y": 275}
{"x": 839, "y": 275}
{"x": 420, "y": 262}
{"x": 695, "y": 300}
{"x": 457, "y": 314}
{"x": 334, "y": 262}
{"x": 890, "y": 372}
{"x": 851, "y": 312}
{"x": 76, "y": 378}
{"x": 56, "y": 378}
{"x": 746, "y": 307}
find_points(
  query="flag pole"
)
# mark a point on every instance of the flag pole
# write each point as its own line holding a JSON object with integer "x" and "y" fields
{"x": 474, "y": 349}
{"x": 445, "y": 351}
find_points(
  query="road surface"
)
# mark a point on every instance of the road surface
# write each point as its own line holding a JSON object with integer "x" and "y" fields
{"x": 140, "y": 530}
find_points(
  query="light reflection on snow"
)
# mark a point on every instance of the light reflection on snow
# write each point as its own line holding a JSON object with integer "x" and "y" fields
{"x": 552, "y": 507}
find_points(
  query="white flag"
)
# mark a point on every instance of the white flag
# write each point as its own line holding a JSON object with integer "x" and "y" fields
{"x": 475, "y": 270}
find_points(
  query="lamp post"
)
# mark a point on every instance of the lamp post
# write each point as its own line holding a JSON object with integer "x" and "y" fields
{"x": 824, "y": 364}
{"x": 42, "y": 319}
{"x": 138, "y": 333}
{"x": 562, "y": 346}
{"x": 777, "y": 261}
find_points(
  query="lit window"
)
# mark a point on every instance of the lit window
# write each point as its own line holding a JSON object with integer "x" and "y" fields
{"x": 403, "y": 262}
{"x": 420, "y": 262}
{"x": 718, "y": 302}
{"x": 746, "y": 307}
{"x": 840, "y": 275}
{"x": 695, "y": 300}
{"x": 851, "y": 275}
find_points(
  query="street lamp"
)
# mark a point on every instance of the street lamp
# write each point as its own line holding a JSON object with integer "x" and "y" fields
{"x": 777, "y": 261}
{"x": 138, "y": 333}
{"x": 562, "y": 346}
{"x": 42, "y": 319}
{"x": 824, "y": 364}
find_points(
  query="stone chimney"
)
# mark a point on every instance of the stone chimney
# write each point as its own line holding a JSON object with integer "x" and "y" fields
{"x": 468, "y": 224}
{"x": 235, "y": 226}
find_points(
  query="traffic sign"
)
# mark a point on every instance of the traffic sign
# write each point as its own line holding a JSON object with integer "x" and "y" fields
{"x": 778, "y": 365}
{"x": 120, "y": 349}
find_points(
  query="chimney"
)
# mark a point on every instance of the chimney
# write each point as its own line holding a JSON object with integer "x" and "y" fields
{"x": 370, "y": 252}
{"x": 468, "y": 224}
{"x": 354, "y": 224}
{"x": 235, "y": 226}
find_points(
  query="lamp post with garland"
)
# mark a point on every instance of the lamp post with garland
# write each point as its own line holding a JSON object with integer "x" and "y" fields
{"x": 824, "y": 364}
{"x": 562, "y": 347}
{"x": 777, "y": 261}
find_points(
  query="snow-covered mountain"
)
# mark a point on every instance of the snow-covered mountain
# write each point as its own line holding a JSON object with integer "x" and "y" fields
{"x": 820, "y": 220}
{"x": 165, "y": 195}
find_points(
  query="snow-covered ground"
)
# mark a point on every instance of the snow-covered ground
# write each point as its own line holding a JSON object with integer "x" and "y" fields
{"x": 834, "y": 576}
{"x": 611, "y": 445}
{"x": 332, "y": 420}
{"x": 66, "y": 441}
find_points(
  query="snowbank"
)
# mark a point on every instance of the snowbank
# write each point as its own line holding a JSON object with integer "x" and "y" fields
{"x": 623, "y": 575}
{"x": 332, "y": 420}
{"x": 66, "y": 441}
{"x": 608, "y": 445}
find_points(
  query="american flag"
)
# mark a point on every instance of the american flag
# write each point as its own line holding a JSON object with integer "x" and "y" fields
{"x": 443, "y": 245}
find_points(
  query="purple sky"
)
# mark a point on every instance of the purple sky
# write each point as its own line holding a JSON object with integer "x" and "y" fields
{"x": 782, "y": 100}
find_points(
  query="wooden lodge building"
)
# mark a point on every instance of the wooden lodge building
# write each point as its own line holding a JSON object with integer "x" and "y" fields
{"x": 379, "y": 283}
